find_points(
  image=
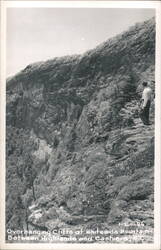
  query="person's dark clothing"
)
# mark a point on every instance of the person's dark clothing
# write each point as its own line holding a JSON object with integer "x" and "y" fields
{"x": 144, "y": 114}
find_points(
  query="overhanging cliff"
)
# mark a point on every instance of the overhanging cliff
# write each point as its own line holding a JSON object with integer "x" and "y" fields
{"x": 77, "y": 152}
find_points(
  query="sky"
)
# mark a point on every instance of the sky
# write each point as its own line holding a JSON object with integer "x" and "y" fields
{"x": 38, "y": 34}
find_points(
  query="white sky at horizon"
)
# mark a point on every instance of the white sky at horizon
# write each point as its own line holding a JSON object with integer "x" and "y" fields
{"x": 38, "y": 34}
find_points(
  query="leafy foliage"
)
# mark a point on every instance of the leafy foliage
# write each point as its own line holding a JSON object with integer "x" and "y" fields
{"x": 20, "y": 171}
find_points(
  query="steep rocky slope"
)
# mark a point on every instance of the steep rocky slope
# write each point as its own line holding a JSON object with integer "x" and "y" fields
{"x": 78, "y": 155}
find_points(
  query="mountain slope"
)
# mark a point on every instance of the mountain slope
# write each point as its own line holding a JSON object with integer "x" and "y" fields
{"x": 77, "y": 153}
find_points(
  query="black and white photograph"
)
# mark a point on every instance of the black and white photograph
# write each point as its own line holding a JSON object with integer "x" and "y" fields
{"x": 80, "y": 125}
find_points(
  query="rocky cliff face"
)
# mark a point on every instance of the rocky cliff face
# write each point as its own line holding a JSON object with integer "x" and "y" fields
{"x": 77, "y": 152}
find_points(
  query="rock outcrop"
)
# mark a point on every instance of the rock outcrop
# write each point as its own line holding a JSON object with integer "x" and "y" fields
{"x": 77, "y": 152}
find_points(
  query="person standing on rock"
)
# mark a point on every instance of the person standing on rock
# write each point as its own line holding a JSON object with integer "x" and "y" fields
{"x": 145, "y": 103}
